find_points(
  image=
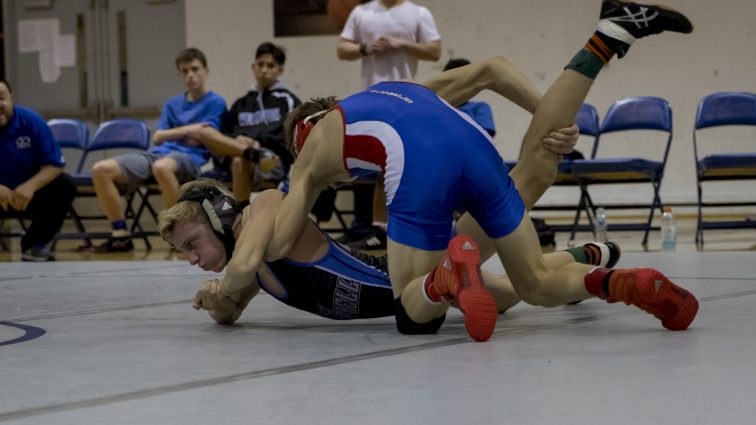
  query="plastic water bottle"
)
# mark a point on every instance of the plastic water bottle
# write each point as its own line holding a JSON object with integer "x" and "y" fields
{"x": 668, "y": 230}
{"x": 599, "y": 225}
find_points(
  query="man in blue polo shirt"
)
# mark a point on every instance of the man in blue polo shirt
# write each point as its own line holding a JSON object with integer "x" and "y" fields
{"x": 176, "y": 157}
{"x": 32, "y": 183}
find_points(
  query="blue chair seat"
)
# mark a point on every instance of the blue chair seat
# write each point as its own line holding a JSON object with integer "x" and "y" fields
{"x": 564, "y": 173}
{"x": 616, "y": 169}
{"x": 730, "y": 165}
{"x": 565, "y": 167}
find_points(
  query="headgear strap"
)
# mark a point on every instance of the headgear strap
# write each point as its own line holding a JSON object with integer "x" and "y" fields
{"x": 302, "y": 129}
{"x": 221, "y": 210}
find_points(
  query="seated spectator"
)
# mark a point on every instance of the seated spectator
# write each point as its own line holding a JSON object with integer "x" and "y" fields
{"x": 176, "y": 157}
{"x": 256, "y": 121}
{"x": 32, "y": 182}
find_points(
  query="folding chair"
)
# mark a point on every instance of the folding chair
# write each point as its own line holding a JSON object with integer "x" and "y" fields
{"x": 70, "y": 134}
{"x": 587, "y": 120}
{"x": 73, "y": 136}
{"x": 635, "y": 113}
{"x": 716, "y": 110}
{"x": 115, "y": 134}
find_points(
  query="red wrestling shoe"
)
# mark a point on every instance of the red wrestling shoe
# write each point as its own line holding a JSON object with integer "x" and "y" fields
{"x": 653, "y": 293}
{"x": 458, "y": 278}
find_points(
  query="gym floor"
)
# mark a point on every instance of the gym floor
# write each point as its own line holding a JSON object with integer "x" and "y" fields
{"x": 116, "y": 342}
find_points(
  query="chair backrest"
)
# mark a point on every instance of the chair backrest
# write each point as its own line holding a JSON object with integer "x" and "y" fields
{"x": 588, "y": 120}
{"x": 73, "y": 136}
{"x": 69, "y": 133}
{"x": 120, "y": 133}
{"x": 638, "y": 113}
{"x": 726, "y": 108}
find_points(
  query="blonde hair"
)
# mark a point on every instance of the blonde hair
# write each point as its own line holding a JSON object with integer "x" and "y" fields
{"x": 188, "y": 211}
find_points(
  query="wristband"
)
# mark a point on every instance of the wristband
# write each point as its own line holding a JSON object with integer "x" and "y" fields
{"x": 251, "y": 154}
{"x": 363, "y": 49}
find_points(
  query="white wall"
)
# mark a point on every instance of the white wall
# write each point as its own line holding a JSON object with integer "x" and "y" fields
{"x": 540, "y": 36}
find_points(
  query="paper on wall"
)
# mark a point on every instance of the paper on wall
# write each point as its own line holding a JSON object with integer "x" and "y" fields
{"x": 48, "y": 70}
{"x": 55, "y": 50}
{"x": 65, "y": 50}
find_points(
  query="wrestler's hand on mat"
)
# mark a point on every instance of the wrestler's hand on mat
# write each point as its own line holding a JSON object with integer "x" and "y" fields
{"x": 210, "y": 297}
{"x": 562, "y": 141}
{"x": 225, "y": 318}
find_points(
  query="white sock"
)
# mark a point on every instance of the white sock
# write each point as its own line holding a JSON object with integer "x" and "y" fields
{"x": 604, "y": 253}
{"x": 425, "y": 293}
{"x": 610, "y": 29}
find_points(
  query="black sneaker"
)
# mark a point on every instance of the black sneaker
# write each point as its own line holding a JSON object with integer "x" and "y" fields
{"x": 38, "y": 254}
{"x": 639, "y": 20}
{"x": 344, "y": 239}
{"x": 122, "y": 244}
{"x": 375, "y": 241}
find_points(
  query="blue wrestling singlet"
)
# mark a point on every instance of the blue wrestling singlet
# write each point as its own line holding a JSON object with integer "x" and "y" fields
{"x": 342, "y": 285}
{"x": 434, "y": 159}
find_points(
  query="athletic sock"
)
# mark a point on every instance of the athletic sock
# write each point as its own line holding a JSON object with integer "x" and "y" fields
{"x": 600, "y": 48}
{"x": 118, "y": 225}
{"x": 595, "y": 253}
{"x": 599, "y": 45}
{"x": 432, "y": 295}
{"x": 587, "y": 63}
{"x": 119, "y": 229}
{"x": 597, "y": 282}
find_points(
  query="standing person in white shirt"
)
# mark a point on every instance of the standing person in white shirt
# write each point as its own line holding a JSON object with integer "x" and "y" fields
{"x": 389, "y": 37}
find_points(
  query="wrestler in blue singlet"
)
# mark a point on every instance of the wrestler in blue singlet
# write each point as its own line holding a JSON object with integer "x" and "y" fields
{"x": 342, "y": 285}
{"x": 434, "y": 159}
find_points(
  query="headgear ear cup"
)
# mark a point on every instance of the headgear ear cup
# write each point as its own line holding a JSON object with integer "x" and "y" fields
{"x": 221, "y": 211}
{"x": 303, "y": 128}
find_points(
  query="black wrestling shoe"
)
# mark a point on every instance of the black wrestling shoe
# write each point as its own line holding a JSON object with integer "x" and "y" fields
{"x": 373, "y": 241}
{"x": 637, "y": 21}
{"x": 614, "y": 254}
{"x": 122, "y": 244}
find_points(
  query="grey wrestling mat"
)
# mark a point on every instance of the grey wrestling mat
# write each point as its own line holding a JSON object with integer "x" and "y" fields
{"x": 118, "y": 343}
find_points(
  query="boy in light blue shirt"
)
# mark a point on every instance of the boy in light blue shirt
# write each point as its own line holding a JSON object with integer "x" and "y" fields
{"x": 176, "y": 157}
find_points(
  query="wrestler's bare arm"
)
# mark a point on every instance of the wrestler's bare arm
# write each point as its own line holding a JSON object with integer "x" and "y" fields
{"x": 251, "y": 244}
{"x": 459, "y": 85}
{"x": 539, "y": 156}
{"x": 319, "y": 164}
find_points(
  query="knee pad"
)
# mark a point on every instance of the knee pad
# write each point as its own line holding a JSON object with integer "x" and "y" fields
{"x": 406, "y": 326}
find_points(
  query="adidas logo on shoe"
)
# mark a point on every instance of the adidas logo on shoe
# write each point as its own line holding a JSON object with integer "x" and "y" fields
{"x": 467, "y": 246}
{"x": 447, "y": 264}
{"x": 226, "y": 206}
